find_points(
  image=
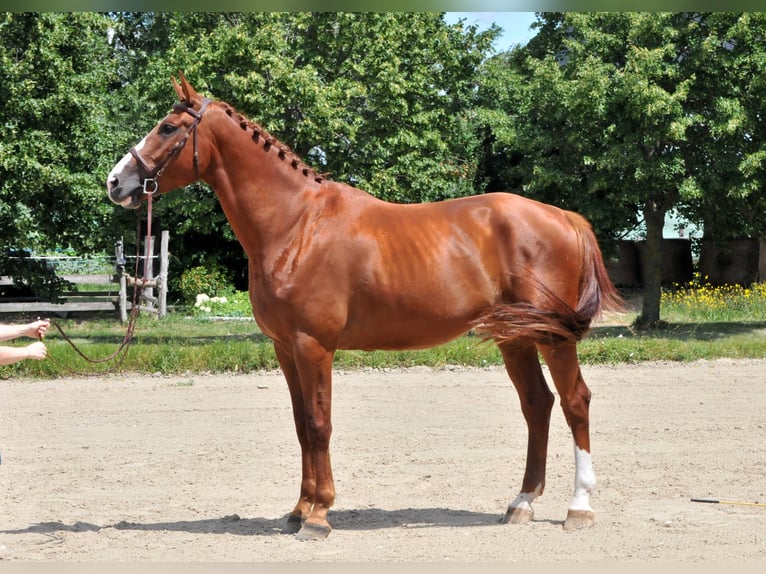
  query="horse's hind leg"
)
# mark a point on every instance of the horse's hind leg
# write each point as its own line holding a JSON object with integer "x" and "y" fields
{"x": 575, "y": 402}
{"x": 523, "y": 367}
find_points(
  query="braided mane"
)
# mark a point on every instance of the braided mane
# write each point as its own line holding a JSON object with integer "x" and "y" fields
{"x": 269, "y": 141}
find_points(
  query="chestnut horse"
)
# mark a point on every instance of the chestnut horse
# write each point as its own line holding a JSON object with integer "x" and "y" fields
{"x": 332, "y": 267}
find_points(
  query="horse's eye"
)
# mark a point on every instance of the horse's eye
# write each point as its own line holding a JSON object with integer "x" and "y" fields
{"x": 167, "y": 129}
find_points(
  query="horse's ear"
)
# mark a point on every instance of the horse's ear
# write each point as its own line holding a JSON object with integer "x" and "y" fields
{"x": 177, "y": 88}
{"x": 184, "y": 91}
{"x": 190, "y": 92}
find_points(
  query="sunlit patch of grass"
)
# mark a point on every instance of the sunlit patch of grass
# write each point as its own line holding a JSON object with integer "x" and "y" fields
{"x": 703, "y": 322}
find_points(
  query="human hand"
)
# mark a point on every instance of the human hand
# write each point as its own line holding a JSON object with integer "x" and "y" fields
{"x": 37, "y": 351}
{"x": 38, "y": 329}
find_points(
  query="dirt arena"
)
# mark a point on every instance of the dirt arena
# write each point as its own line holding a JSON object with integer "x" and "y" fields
{"x": 205, "y": 468}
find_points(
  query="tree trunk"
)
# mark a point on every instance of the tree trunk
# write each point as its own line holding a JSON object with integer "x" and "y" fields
{"x": 654, "y": 217}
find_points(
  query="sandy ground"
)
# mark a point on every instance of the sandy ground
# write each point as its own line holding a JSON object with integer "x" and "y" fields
{"x": 205, "y": 468}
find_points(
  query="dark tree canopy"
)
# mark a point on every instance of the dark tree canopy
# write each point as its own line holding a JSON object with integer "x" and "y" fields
{"x": 620, "y": 116}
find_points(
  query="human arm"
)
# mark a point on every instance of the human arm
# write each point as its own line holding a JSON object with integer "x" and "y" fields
{"x": 35, "y": 351}
{"x": 34, "y": 330}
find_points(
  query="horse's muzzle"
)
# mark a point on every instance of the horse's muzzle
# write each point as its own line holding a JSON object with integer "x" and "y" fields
{"x": 126, "y": 193}
{"x": 130, "y": 199}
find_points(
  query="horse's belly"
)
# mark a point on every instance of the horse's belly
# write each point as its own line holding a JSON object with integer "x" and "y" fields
{"x": 407, "y": 333}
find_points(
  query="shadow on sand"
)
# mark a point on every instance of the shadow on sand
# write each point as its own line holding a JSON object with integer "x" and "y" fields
{"x": 367, "y": 519}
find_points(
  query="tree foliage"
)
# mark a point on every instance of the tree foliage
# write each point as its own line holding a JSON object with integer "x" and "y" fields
{"x": 53, "y": 153}
{"x": 626, "y": 114}
{"x": 727, "y": 139}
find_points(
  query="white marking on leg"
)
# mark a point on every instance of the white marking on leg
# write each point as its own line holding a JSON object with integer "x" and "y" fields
{"x": 525, "y": 499}
{"x": 585, "y": 481}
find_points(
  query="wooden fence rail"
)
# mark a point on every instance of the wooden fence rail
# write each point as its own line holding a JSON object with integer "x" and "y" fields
{"x": 114, "y": 297}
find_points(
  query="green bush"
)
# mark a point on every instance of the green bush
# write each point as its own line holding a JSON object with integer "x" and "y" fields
{"x": 211, "y": 281}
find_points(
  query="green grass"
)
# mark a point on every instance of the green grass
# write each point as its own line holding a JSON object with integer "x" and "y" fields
{"x": 677, "y": 342}
{"x": 184, "y": 345}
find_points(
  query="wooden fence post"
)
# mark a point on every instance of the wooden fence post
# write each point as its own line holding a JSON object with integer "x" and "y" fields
{"x": 149, "y": 269}
{"x": 148, "y": 301}
{"x": 162, "y": 279}
{"x": 119, "y": 256}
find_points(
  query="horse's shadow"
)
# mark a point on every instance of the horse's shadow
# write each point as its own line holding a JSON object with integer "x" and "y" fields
{"x": 367, "y": 519}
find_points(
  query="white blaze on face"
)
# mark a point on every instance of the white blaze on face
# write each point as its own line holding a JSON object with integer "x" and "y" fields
{"x": 585, "y": 481}
{"x": 118, "y": 169}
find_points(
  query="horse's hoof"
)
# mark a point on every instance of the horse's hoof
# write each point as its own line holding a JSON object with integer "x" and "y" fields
{"x": 293, "y": 524}
{"x": 579, "y": 519}
{"x": 311, "y": 531}
{"x": 518, "y": 515}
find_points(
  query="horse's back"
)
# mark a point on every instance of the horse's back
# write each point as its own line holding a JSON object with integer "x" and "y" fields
{"x": 468, "y": 247}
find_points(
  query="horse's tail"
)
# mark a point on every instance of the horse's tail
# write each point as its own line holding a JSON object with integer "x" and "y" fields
{"x": 597, "y": 292}
{"x": 551, "y": 320}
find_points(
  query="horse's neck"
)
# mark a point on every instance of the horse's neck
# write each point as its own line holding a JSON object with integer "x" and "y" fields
{"x": 262, "y": 195}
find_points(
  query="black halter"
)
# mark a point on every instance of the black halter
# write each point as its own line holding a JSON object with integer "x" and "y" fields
{"x": 152, "y": 174}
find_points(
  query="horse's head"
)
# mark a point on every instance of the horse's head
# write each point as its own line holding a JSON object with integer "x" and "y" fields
{"x": 162, "y": 161}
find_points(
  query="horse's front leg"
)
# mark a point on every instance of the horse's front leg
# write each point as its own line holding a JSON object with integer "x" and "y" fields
{"x": 311, "y": 392}
{"x": 308, "y": 477}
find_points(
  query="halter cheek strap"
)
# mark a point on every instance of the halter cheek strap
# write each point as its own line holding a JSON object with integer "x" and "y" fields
{"x": 153, "y": 173}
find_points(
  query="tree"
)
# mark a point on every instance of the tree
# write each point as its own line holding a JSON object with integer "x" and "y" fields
{"x": 726, "y": 147}
{"x": 610, "y": 118}
{"x": 54, "y": 144}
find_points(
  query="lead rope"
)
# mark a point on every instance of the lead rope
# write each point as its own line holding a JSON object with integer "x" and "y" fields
{"x": 134, "y": 311}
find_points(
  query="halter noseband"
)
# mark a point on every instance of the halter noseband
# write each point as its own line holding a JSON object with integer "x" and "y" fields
{"x": 152, "y": 174}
